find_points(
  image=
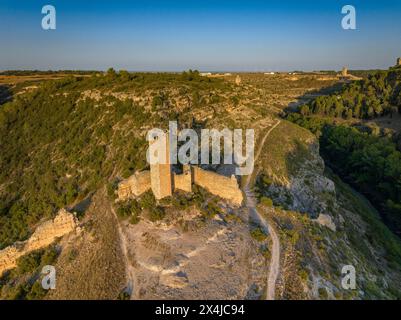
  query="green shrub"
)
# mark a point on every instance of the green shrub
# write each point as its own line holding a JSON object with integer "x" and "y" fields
{"x": 148, "y": 200}
{"x": 266, "y": 201}
{"x": 265, "y": 252}
{"x": 211, "y": 210}
{"x": 323, "y": 295}
{"x": 130, "y": 209}
{"x": 36, "y": 292}
{"x": 156, "y": 214}
{"x": 49, "y": 256}
{"x": 123, "y": 295}
{"x": 29, "y": 262}
{"x": 258, "y": 234}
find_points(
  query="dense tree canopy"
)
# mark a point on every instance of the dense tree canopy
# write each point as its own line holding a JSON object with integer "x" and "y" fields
{"x": 377, "y": 95}
{"x": 371, "y": 163}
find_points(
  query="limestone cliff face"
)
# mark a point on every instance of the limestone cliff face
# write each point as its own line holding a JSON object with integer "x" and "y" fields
{"x": 64, "y": 223}
{"x": 311, "y": 191}
{"x": 303, "y": 186}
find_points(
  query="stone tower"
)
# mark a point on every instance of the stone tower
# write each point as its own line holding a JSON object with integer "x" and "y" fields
{"x": 344, "y": 72}
{"x": 399, "y": 62}
{"x": 160, "y": 173}
{"x": 238, "y": 80}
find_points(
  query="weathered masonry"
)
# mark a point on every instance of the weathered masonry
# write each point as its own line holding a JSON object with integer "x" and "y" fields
{"x": 163, "y": 181}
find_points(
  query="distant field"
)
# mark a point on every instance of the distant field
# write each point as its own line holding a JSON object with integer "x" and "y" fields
{"x": 15, "y": 79}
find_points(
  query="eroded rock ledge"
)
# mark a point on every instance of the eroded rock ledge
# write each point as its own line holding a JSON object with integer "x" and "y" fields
{"x": 64, "y": 223}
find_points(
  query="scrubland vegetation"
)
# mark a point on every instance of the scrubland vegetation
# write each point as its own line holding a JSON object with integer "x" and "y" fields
{"x": 58, "y": 144}
{"x": 24, "y": 282}
{"x": 69, "y": 137}
{"x": 366, "y": 157}
{"x": 377, "y": 95}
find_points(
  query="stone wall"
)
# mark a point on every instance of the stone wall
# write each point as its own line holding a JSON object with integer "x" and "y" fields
{"x": 224, "y": 187}
{"x": 64, "y": 223}
{"x": 184, "y": 181}
{"x": 399, "y": 62}
{"x": 135, "y": 185}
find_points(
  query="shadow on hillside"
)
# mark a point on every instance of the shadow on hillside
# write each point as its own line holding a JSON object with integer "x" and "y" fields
{"x": 313, "y": 94}
{"x": 297, "y": 184}
{"x": 5, "y": 94}
{"x": 81, "y": 207}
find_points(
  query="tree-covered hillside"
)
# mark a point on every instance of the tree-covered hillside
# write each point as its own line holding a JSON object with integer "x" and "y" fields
{"x": 372, "y": 164}
{"x": 63, "y": 140}
{"x": 377, "y": 95}
{"x": 369, "y": 159}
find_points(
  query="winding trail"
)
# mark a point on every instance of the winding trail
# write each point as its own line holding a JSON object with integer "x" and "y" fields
{"x": 254, "y": 215}
{"x": 258, "y": 218}
{"x": 129, "y": 269}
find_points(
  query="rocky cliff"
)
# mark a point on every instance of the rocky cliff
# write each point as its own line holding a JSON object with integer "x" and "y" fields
{"x": 64, "y": 223}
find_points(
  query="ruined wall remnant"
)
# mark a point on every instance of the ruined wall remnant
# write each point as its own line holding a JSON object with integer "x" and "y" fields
{"x": 44, "y": 235}
{"x": 135, "y": 185}
{"x": 224, "y": 187}
{"x": 399, "y": 62}
{"x": 344, "y": 72}
{"x": 184, "y": 181}
{"x": 238, "y": 80}
{"x": 163, "y": 181}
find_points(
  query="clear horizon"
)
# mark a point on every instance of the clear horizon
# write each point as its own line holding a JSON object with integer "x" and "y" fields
{"x": 232, "y": 36}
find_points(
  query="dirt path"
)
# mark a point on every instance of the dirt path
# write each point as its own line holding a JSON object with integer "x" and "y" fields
{"x": 129, "y": 269}
{"x": 258, "y": 218}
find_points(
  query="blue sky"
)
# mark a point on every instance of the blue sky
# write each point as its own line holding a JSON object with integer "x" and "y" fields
{"x": 206, "y": 35}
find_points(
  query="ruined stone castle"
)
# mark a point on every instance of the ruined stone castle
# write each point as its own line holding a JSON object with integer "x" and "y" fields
{"x": 163, "y": 182}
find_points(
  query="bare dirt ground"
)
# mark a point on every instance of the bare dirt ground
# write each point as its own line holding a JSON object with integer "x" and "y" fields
{"x": 91, "y": 265}
{"x": 214, "y": 260}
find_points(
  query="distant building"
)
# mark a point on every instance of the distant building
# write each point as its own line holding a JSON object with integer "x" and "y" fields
{"x": 346, "y": 77}
{"x": 238, "y": 80}
{"x": 205, "y": 74}
{"x": 399, "y": 62}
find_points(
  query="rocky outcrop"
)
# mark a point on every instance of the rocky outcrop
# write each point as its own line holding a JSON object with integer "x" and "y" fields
{"x": 64, "y": 223}
{"x": 307, "y": 189}
{"x": 327, "y": 221}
